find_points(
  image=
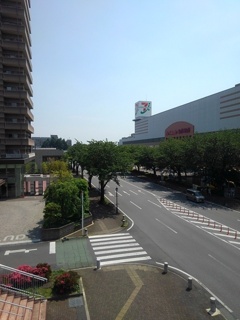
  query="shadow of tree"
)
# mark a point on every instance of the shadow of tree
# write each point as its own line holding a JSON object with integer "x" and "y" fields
{"x": 98, "y": 210}
{"x": 35, "y": 233}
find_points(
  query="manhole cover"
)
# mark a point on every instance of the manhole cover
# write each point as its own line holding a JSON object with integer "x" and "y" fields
{"x": 75, "y": 302}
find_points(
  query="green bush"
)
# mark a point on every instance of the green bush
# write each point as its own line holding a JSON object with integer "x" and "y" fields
{"x": 52, "y": 216}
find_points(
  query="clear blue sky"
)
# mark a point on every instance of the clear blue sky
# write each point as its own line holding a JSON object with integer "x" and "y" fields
{"x": 93, "y": 59}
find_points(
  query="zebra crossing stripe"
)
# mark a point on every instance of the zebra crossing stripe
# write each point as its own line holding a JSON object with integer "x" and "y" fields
{"x": 116, "y": 246}
{"x": 107, "y": 238}
{"x": 121, "y": 255}
{"x": 109, "y": 262}
{"x": 109, "y": 235}
{"x": 113, "y": 242}
{"x": 119, "y": 250}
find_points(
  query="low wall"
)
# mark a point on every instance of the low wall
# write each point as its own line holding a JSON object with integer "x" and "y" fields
{"x": 58, "y": 233}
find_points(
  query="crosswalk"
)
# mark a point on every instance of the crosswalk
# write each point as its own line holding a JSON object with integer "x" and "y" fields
{"x": 117, "y": 248}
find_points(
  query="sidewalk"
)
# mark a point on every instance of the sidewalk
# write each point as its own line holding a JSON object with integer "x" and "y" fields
{"x": 131, "y": 291}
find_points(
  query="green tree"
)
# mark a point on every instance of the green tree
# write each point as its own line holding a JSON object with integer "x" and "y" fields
{"x": 58, "y": 143}
{"x": 57, "y": 168}
{"x": 106, "y": 161}
{"x": 221, "y": 153}
{"x": 78, "y": 155}
{"x": 173, "y": 151}
{"x": 52, "y": 216}
{"x": 67, "y": 195}
{"x": 149, "y": 158}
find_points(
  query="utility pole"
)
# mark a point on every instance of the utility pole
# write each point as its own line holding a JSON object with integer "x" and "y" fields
{"x": 116, "y": 200}
{"x": 82, "y": 213}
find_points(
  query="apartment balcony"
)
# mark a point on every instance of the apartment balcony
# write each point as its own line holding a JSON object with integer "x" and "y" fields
{"x": 17, "y": 44}
{"x": 18, "y": 110}
{"x": 17, "y": 77}
{"x": 14, "y": 77}
{"x": 18, "y": 94}
{"x": 10, "y": 10}
{"x": 15, "y": 61}
{"x": 18, "y": 142}
{"x": 17, "y": 155}
{"x": 18, "y": 126}
{"x": 14, "y": 28}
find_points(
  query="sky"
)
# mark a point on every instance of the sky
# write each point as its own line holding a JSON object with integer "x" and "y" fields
{"x": 94, "y": 59}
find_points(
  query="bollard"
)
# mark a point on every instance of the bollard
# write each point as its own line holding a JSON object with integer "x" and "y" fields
{"x": 212, "y": 305}
{"x": 165, "y": 267}
{"x": 86, "y": 232}
{"x": 98, "y": 264}
{"x": 189, "y": 283}
{"x": 123, "y": 218}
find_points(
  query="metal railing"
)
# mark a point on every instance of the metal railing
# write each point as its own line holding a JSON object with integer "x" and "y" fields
{"x": 21, "y": 282}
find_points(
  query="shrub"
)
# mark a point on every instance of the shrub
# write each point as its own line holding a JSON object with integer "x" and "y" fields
{"x": 66, "y": 283}
{"x": 19, "y": 280}
{"x": 43, "y": 270}
{"x": 52, "y": 216}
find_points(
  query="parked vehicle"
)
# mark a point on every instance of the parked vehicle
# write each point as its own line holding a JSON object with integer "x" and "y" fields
{"x": 194, "y": 195}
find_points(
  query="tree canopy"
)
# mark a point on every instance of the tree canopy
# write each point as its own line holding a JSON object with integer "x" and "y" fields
{"x": 57, "y": 143}
{"x": 64, "y": 202}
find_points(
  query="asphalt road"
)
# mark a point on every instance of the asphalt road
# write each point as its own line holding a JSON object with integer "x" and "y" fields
{"x": 203, "y": 240}
{"x": 21, "y": 221}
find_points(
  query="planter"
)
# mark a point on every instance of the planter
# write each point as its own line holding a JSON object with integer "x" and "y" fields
{"x": 58, "y": 233}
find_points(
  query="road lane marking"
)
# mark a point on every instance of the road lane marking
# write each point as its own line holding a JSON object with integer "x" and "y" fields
{"x": 18, "y": 251}
{"x": 129, "y": 245}
{"x": 157, "y": 205}
{"x": 122, "y": 255}
{"x": 224, "y": 265}
{"x": 120, "y": 250}
{"x": 235, "y": 242}
{"x": 113, "y": 242}
{"x": 231, "y": 236}
{"x": 109, "y": 235}
{"x": 133, "y": 192}
{"x": 136, "y": 205}
{"x": 52, "y": 247}
{"x": 109, "y": 262}
{"x": 126, "y": 193}
{"x": 108, "y": 238}
{"x": 166, "y": 226}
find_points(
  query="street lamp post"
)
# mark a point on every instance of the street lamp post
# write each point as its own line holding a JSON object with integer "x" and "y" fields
{"x": 116, "y": 200}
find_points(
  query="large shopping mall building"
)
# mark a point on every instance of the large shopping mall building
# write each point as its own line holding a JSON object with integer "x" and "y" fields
{"x": 219, "y": 111}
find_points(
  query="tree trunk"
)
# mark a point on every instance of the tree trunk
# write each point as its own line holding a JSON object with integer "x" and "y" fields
{"x": 82, "y": 169}
{"x": 102, "y": 188}
{"x": 179, "y": 174}
{"x": 90, "y": 181}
